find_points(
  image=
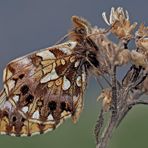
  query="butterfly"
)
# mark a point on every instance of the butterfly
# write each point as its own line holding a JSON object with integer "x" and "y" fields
{"x": 45, "y": 87}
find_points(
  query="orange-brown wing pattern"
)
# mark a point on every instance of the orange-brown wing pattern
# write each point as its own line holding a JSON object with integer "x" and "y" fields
{"x": 41, "y": 90}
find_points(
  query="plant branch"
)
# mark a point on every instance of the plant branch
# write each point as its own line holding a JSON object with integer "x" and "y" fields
{"x": 98, "y": 126}
{"x": 114, "y": 91}
{"x": 123, "y": 95}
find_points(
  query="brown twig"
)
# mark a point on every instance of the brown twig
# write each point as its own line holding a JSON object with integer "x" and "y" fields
{"x": 98, "y": 126}
{"x": 108, "y": 133}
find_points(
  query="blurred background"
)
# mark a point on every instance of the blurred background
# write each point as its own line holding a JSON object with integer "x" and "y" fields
{"x": 29, "y": 25}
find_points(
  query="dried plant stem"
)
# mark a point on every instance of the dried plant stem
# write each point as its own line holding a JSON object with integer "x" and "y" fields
{"x": 114, "y": 91}
{"x": 98, "y": 126}
{"x": 106, "y": 134}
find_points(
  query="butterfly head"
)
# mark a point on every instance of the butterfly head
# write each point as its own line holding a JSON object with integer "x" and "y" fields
{"x": 81, "y": 29}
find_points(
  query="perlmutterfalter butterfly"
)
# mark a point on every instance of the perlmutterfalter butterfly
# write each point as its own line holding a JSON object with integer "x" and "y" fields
{"x": 45, "y": 87}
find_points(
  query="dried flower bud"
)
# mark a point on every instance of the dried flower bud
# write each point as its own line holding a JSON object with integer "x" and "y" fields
{"x": 123, "y": 57}
{"x": 106, "y": 96}
{"x": 143, "y": 43}
{"x": 119, "y": 21}
{"x": 142, "y": 39}
{"x": 138, "y": 59}
{"x": 142, "y": 31}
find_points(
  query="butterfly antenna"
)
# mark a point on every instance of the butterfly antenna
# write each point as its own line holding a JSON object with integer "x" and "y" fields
{"x": 62, "y": 39}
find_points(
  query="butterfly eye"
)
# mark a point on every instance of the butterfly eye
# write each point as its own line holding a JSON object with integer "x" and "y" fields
{"x": 80, "y": 31}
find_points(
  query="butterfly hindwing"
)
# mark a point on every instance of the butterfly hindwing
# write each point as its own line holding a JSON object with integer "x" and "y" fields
{"x": 41, "y": 90}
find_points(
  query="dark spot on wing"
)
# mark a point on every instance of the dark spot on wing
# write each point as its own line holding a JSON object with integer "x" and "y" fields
{"x": 63, "y": 106}
{"x": 29, "y": 98}
{"x": 14, "y": 118}
{"x": 24, "y": 89}
{"x": 21, "y": 76}
{"x": 52, "y": 105}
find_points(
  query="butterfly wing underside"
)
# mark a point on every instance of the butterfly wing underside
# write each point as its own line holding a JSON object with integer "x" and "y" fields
{"x": 41, "y": 90}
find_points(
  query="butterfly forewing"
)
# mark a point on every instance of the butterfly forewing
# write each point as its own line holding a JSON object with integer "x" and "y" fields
{"x": 41, "y": 90}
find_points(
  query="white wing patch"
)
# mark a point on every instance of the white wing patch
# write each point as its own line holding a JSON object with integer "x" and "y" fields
{"x": 46, "y": 55}
{"x": 36, "y": 115}
{"x": 7, "y": 105}
{"x": 66, "y": 83}
{"x": 77, "y": 63}
{"x": 78, "y": 81}
{"x": 66, "y": 50}
{"x": 83, "y": 77}
{"x": 70, "y": 46}
{"x": 16, "y": 98}
{"x": 50, "y": 117}
{"x": 51, "y": 76}
{"x": 25, "y": 109}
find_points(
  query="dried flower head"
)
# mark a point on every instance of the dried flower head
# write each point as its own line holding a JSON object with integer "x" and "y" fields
{"x": 142, "y": 38}
{"x": 142, "y": 31}
{"x": 120, "y": 24}
{"x": 138, "y": 59}
{"x": 106, "y": 96}
{"x": 123, "y": 57}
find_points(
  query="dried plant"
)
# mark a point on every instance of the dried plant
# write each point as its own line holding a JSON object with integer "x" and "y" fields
{"x": 120, "y": 95}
